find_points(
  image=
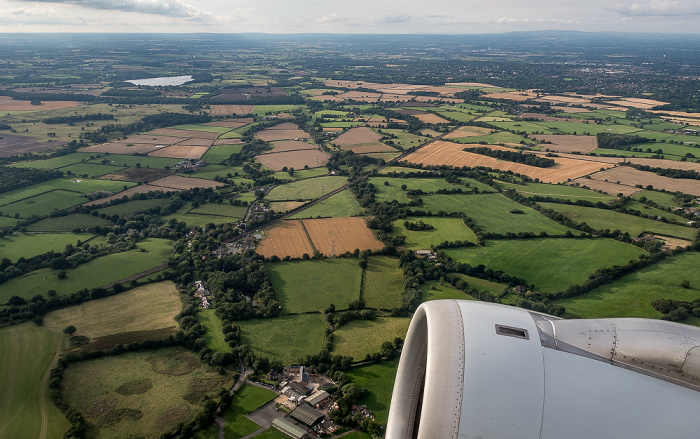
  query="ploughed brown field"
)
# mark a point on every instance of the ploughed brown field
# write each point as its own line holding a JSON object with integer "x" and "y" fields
{"x": 8, "y": 104}
{"x": 225, "y": 110}
{"x": 468, "y": 131}
{"x": 440, "y": 153}
{"x": 269, "y": 135}
{"x": 568, "y": 143}
{"x": 632, "y": 177}
{"x": 292, "y": 145}
{"x": 12, "y": 144}
{"x": 357, "y": 136}
{"x": 285, "y": 126}
{"x": 513, "y": 95}
{"x": 313, "y": 158}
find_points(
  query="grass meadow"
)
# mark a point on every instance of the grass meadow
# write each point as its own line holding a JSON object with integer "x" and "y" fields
{"x": 120, "y": 160}
{"x": 132, "y": 206}
{"x": 307, "y": 286}
{"x": 445, "y": 229}
{"x": 218, "y": 153}
{"x": 308, "y": 189}
{"x": 492, "y": 213}
{"x": 27, "y": 245}
{"x": 219, "y": 209}
{"x": 214, "y": 335}
{"x": 631, "y": 296}
{"x": 360, "y": 338}
{"x": 379, "y": 379}
{"x": 394, "y": 192}
{"x": 340, "y": 205}
{"x": 383, "y": 283}
{"x": 557, "y": 191}
{"x": 43, "y": 204}
{"x": 287, "y": 338}
{"x": 26, "y": 409}
{"x": 601, "y": 219}
{"x": 432, "y": 290}
{"x": 550, "y": 264}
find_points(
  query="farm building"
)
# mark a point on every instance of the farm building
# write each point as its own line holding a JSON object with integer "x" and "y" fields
{"x": 289, "y": 428}
{"x": 318, "y": 398}
{"x": 307, "y": 415}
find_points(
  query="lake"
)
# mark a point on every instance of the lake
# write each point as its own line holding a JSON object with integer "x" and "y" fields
{"x": 164, "y": 81}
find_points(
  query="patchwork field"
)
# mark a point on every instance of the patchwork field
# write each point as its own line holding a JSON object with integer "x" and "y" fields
{"x": 631, "y": 177}
{"x": 557, "y": 191}
{"x": 313, "y": 158}
{"x": 227, "y": 110}
{"x": 287, "y": 338}
{"x": 339, "y": 235}
{"x": 308, "y": 189}
{"x": 445, "y": 229}
{"x": 383, "y": 283}
{"x": 605, "y": 186}
{"x": 360, "y": 338}
{"x": 180, "y": 152}
{"x": 140, "y": 393}
{"x": 287, "y": 238}
{"x": 549, "y": 264}
{"x": 67, "y": 223}
{"x": 441, "y": 153}
{"x": 271, "y": 135}
{"x": 307, "y": 286}
{"x": 568, "y": 143}
{"x": 357, "y": 136}
{"x": 291, "y": 145}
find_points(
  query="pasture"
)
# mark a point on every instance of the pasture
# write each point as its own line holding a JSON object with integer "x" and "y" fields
{"x": 96, "y": 273}
{"x": 308, "y": 189}
{"x": 361, "y": 338}
{"x": 132, "y": 160}
{"x": 219, "y": 209}
{"x": 132, "y": 206}
{"x": 214, "y": 335}
{"x": 313, "y": 158}
{"x": 26, "y": 409}
{"x": 342, "y": 204}
{"x": 492, "y": 212}
{"x": 432, "y": 290}
{"x": 43, "y": 204}
{"x": 601, "y": 219}
{"x": 27, "y": 245}
{"x": 445, "y": 229}
{"x": 631, "y": 296}
{"x": 392, "y": 191}
{"x": 287, "y": 338}
{"x": 379, "y": 380}
{"x": 557, "y": 191}
{"x": 123, "y": 312}
{"x": 307, "y": 286}
{"x": 383, "y": 283}
{"x": 140, "y": 393}
{"x": 54, "y": 162}
{"x": 218, "y": 153}
{"x": 551, "y": 264}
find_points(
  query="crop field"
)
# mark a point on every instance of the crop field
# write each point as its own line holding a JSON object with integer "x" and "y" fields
{"x": 140, "y": 393}
{"x": 335, "y": 236}
{"x": 631, "y": 296}
{"x": 27, "y": 245}
{"x": 271, "y": 135}
{"x": 605, "y": 186}
{"x": 308, "y": 189}
{"x": 12, "y": 105}
{"x": 631, "y": 177}
{"x": 451, "y": 154}
{"x": 204, "y": 127}
{"x": 492, "y": 213}
{"x": 67, "y": 223}
{"x": 227, "y": 110}
{"x": 383, "y": 283}
{"x": 26, "y": 409}
{"x": 132, "y": 206}
{"x": 307, "y": 286}
{"x": 285, "y": 206}
{"x": 292, "y": 145}
{"x": 342, "y": 204}
{"x": 96, "y": 273}
{"x": 431, "y": 118}
{"x": 360, "y": 338}
{"x": 557, "y": 191}
{"x": 287, "y": 338}
{"x": 445, "y": 229}
{"x": 180, "y": 152}
{"x": 123, "y": 147}
{"x": 357, "y": 136}
{"x": 550, "y": 264}
{"x": 214, "y": 335}
{"x": 123, "y": 312}
{"x": 600, "y": 219}
{"x": 379, "y": 379}
{"x": 568, "y": 143}
{"x": 313, "y": 158}
{"x": 287, "y": 238}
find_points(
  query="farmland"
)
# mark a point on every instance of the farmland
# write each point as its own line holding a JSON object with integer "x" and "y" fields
{"x": 380, "y": 379}
{"x": 302, "y": 335}
{"x": 557, "y": 191}
{"x": 342, "y": 204}
{"x": 308, "y": 189}
{"x": 383, "y": 283}
{"x": 335, "y": 236}
{"x": 361, "y": 338}
{"x": 29, "y": 244}
{"x": 444, "y": 229}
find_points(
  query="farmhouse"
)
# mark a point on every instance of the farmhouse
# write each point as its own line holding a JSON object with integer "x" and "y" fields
{"x": 202, "y": 294}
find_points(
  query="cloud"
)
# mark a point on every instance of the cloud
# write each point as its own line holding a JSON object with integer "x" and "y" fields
{"x": 396, "y": 18}
{"x": 168, "y": 8}
{"x": 659, "y": 8}
{"x": 333, "y": 18}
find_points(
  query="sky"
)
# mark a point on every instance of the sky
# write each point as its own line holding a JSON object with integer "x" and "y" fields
{"x": 349, "y": 16}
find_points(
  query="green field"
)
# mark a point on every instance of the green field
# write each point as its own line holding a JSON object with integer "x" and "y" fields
{"x": 557, "y": 191}
{"x": 93, "y": 274}
{"x": 306, "y": 286}
{"x": 249, "y": 398}
{"x": 140, "y": 393}
{"x": 218, "y": 153}
{"x": 90, "y": 170}
{"x": 383, "y": 283}
{"x": 495, "y": 138}
{"x": 43, "y": 204}
{"x": 591, "y": 128}
{"x": 301, "y": 174}
{"x": 214, "y": 335}
{"x": 600, "y": 219}
{"x": 56, "y": 162}
{"x": 655, "y": 212}
{"x": 631, "y": 296}
{"x": 201, "y": 127}
{"x": 26, "y": 409}
{"x": 403, "y": 139}
{"x": 219, "y": 209}
{"x": 492, "y": 213}
{"x": 131, "y": 160}
{"x": 445, "y": 229}
{"x": 339, "y": 205}
{"x": 360, "y": 338}
{"x": 287, "y": 338}
{"x": 550, "y": 264}
{"x": 379, "y": 380}
{"x": 194, "y": 219}
{"x": 308, "y": 189}
{"x": 27, "y": 245}
{"x": 528, "y": 127}
{"x": 445, "y": 291}
{"x": 132, "y": 206}
{"x": 394, "y": 192}
{"x": 660, "y": 198}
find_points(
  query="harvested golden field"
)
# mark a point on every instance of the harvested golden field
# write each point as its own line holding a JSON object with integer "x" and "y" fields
{"x": 153, "y": 139}
{"x": 644, "y": 104}
{"x": 288, "y": 238}
{"x": 512, "y": 95}
{"x": 631, "y": 177}
{"x": 342, "y": 234}
{"x": 292, "y": 145}
{"x": 672, "y": 243}
{"x": 124, "y": 147}
{"x": 269, "y": 135}
{"x": 466, "y": 131}
{"x": 668, "y": 164}
{"x": 568, "y": 143}
{"x": 313, "y": 158}
{"x": 332, "y": 129}
{"x": 590, "y": 158}
{"x": 357, "y": 136}
{"x": 180, "y": 152}
{"x": 471, "y": 84}
{"x": 451, "y": 154}
{"x": 605, "y": 186}
{"x": 186, "y": 133}
{"x": 228, "y": 142}
{"x": 565, "y": 99}
{"x": 177, "y": 182}
{"x": 196, "y": 142}
{"x": 140, "y": 189}
{"x": 285, "y": 126}
{"x": 395, "y": 98}
{"x": 231, "y": 123}
{"x": 8, "y": 104}
{"x": 226, "y": 110}
{"x": 431, "y": 118}
{"x": 370, "y": 147}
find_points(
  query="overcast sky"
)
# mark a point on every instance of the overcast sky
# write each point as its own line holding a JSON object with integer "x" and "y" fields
{"x": 349, "y": 16}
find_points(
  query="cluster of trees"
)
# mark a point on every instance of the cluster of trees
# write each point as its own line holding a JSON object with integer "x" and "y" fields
{"x": 417, "y": 225}
{"x": 14, "y": 178}
{"x": 619, "y": 141}
{"x": 72, "y": 120}
{"x": 514, "y": 156}
{"x": 677, "y": 310}
{"x": 666, "y": 172}
{"x": 147, "y": 123}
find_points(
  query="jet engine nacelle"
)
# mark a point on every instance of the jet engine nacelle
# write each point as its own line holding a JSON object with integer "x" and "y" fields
{"x": 486, "y": 371}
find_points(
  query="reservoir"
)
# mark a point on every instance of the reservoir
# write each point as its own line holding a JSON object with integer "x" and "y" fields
{"x": 164, "y": 81}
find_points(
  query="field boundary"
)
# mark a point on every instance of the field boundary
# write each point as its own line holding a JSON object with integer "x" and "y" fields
{"x": 308, "y": 237}
{"x": 137, "y": 275}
